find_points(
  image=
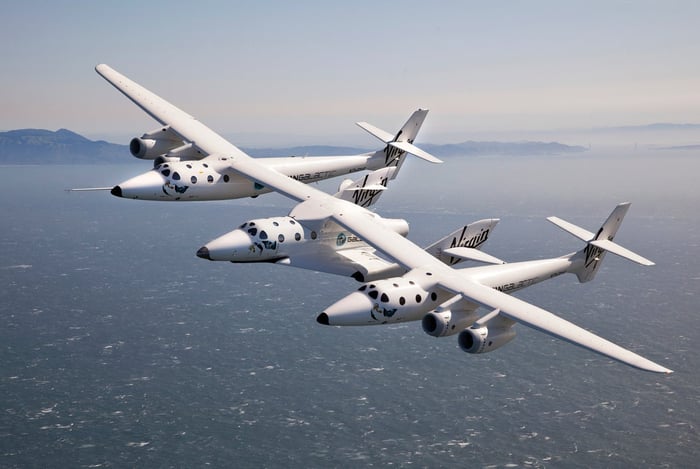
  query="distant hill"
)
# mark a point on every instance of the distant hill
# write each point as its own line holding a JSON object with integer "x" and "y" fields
{"x": 657, "y": 127}
{"x": 37, "y": 146}
{"x": 681, "y": 147}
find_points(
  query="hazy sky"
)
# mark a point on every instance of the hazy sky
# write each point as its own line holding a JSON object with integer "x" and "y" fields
{"x": 270, "y": 70}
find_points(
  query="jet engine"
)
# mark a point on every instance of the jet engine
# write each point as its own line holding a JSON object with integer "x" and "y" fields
{"x": 446, "y": 322}
{"x": 149, "y": 148}
{"x": 154, "y": 143}
{"x": 164, "y": 159}
{"x": 483, "y": 339}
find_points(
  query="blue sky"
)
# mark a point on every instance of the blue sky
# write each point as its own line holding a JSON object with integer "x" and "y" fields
{"x": 268, "y": 72}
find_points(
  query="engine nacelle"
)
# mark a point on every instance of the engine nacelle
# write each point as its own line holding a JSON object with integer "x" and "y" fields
{"x": 150, "y": 148}
{"x": 164, "y": 159}
{"x": 482, "y": 340}
{"x": 445, "y": 323}
{"x": 154, "y": 143}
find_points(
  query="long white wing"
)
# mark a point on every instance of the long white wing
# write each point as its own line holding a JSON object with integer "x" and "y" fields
{"x": 184, "y": 125}
{"x": 359, "y": 221}
{"x": 544, "y": 321}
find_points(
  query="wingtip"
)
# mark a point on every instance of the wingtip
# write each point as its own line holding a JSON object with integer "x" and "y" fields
{"x": 102, "y": 68}
{"x": 655, "y": 368}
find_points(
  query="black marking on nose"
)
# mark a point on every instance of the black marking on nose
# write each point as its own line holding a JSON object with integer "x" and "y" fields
{"x": 323, "y": 319}
{"x": 203, "y": 252}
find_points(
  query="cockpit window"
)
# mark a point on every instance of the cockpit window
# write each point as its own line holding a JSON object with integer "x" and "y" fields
{"x": 253, "y": 231}
{"x": 263, "y": 235}
{"x": 176, "y": 176}
{"x": 384, "y": 298}
{"x": 165, "y": 172}
{"x": 373, "y": 294}
{"x": 243, "y": 225}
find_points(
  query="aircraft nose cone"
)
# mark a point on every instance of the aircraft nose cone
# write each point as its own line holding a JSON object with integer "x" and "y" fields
{"x": 146, "y": 186}
{"x": 232, "y": 246}
{"x": 322, "y": 319}
{"x": 203, "y": 252}
{"x": 353, "y": 310}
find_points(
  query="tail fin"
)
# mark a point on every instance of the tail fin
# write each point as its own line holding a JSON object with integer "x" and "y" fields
{"x": 588, "y": 260}
{"x": 367, "y": 190}
{"x": 464, "y": 244}
{"x": 397, "y": 146}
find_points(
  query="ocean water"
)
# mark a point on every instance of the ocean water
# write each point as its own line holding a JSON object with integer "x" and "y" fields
{"x": 120, "y": 348}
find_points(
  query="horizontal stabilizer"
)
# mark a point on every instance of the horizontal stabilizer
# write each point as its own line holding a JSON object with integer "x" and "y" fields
{"x": 375, "y": 187}
{"x": 471, "y": 254}
{"x": 382, "y": 135}
{"x": 580, "y": 233}
{"x": 415, "y": 151}
{"x": 620, "y": 251}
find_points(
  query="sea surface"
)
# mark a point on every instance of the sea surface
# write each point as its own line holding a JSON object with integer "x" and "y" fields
{"x": 120, "y": 348}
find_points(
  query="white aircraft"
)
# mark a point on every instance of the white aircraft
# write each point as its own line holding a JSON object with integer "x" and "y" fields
{"x": 182, "y": 170}
{"x": 325, "y": 246}
{"x": 429, "y": 284}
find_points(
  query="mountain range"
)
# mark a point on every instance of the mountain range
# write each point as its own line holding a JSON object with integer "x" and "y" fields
{"x": 39, "y": 146}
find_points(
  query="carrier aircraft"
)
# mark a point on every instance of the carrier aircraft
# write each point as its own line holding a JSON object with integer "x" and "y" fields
{"x": 473, "y": 303}
{"x": 184, "y": 171}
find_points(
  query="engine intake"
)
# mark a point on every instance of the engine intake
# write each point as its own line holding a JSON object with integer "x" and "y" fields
{"x": 445, "y": 323}
{"x": 154, "y": 143}
{"x": 482, "y": 340}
